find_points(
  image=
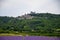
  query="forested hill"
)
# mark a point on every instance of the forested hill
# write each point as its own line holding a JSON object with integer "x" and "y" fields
{"x": 39, "y": 23}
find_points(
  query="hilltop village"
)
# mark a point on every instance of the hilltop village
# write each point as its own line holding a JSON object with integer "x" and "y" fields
{"x": 32, "y": 15}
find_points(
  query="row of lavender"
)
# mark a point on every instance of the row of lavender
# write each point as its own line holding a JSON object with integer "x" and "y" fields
{"x": 28, "y": 38}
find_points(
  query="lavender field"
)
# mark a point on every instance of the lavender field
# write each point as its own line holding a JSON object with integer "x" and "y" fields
{"x": 28, "y": 38}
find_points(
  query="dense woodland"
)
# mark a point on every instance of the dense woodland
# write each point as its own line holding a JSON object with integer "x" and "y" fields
{"x": 41, "y": 23}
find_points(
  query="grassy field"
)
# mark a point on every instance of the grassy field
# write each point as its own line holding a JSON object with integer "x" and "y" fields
{"x": 29, "y": 34}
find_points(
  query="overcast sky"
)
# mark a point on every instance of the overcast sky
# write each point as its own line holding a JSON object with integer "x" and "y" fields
{"x": 20, "y": 7}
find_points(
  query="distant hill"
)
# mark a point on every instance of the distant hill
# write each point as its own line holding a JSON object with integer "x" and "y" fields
{"x": 31, "y": 23}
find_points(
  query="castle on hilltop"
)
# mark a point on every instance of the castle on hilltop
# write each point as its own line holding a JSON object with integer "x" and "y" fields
{"x": 26, "y": 16}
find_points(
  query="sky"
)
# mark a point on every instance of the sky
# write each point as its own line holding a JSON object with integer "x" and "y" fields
{"x": 20, "y": 7}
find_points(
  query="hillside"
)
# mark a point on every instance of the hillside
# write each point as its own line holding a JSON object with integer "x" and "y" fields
{"x": 34, "y": 24}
